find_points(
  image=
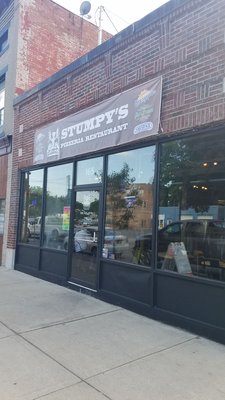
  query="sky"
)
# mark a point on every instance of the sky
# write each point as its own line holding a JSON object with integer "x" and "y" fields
{"x": 121, "y": 13}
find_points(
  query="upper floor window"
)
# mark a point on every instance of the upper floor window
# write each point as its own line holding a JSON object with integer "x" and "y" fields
{"x": 2, "y": 105}
{"x": 2, "y": 215}
{"x": 3, "y": 41}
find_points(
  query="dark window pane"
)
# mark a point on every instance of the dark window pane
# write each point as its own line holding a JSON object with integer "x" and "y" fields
{"x": 32, "y": 207}
{"x": 57, "y": 218}
{"x": 192, "y": 200}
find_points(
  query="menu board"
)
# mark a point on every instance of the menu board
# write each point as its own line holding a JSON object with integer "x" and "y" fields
{"x": 176, "y": 258}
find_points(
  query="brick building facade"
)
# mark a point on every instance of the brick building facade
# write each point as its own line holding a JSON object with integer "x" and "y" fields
{"x": 182, "y": 41}
{"x": 49, "y": 38}
{"x": 37, "y": 38}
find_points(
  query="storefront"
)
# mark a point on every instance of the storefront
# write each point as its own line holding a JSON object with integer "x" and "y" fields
{"x": 122, "y": 201}
{"x": 143, "y": 227}
{"x": 90, "y": 209}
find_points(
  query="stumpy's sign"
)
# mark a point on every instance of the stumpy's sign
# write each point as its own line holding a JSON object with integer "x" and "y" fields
{"x": 124, "y": 118}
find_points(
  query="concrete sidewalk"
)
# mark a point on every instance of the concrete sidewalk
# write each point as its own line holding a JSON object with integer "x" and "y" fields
{"x": 57, "y": 344}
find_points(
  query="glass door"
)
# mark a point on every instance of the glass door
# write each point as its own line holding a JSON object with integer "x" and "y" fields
{"x": 84, "y": 244}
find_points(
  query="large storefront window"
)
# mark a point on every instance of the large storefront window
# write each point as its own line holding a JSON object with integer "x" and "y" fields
{"x": 32, "y": 207}
{"x": 57, "y": 215}
{"x": 129, "y": 205}
{"x": 191, "y": 236}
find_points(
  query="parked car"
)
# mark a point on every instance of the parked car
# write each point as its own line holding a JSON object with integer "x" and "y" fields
{"x": 86, "y": 241}
{"x": 202, "y": 238}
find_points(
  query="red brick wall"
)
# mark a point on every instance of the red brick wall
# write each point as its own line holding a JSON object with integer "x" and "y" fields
{"x": 50, "y": 37}
{"x": 186, "y": 46}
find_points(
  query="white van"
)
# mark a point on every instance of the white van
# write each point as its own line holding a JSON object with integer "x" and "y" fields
{"x": 53, "y": 227}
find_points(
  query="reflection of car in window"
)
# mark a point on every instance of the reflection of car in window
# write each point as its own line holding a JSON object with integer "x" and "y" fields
{"x": 202, "y": 238}
{"x": 86, "y": 241}
{"x": 34, "y": 226}
{"x": 53, "y": 227}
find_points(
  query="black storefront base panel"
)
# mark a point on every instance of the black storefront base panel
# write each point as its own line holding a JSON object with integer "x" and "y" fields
{"x": 193, "y": 298}
{"x": 127, "y": 281}
{"x": 43, "y": 260}
{"x": 194, "y": 304}
{"x": 190, "y": 325}
{"x": 126, "y": 302}
{"x": 46, "y": 276}
{"x": 28, "y": 257}
{"x": 47, "y": 264}
{"x": 54, "y": 262}
{"x": 182, "y": 322}
{"x": 199, "y": 328}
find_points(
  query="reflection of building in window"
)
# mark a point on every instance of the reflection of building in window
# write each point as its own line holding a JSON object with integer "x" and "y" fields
{"x": 143, "y": 223}
{"x": 139, "y": 215}
{"x": 143, "y": 211}
{"x": 2, "y": 215}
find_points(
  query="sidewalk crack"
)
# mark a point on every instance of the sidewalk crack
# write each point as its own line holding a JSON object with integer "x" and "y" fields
{"x": 69, "y": 321}
{"x": 143, "y": 357}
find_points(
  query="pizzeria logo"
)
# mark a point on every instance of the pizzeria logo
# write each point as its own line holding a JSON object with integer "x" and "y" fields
{"x": 53, "y": 144}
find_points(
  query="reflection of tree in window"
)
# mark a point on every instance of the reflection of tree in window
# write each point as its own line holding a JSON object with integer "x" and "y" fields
{"x": 58, "y": 188}
{"x": 189, "y": 175}
{"x": 56, "y": 204}
{"x": 94, "y": 206}
{"x": 32, "y": 201}
{"x": 35, "y": 201}
{"x": 122, "y": 197}
{"x": 174, "y": 160}
{"x": 78, "y": 212}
